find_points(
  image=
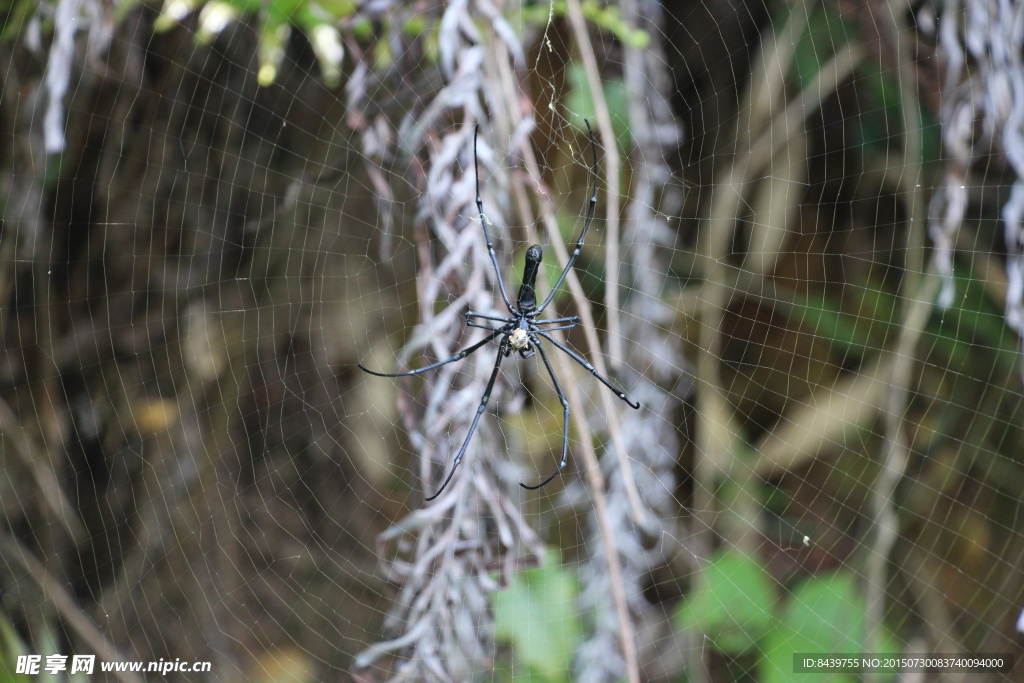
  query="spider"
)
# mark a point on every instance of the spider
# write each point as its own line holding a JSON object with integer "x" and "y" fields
{"x": 521, "y": 331}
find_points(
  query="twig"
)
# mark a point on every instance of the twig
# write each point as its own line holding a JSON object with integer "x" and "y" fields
{"x": 41, "y": 471}
{"x": 896, "y": 452}
{"x": 919, "y": 571}
{"x": 597, "y": 490}
{"x": 612, "y": 164}
{"x": 768, "y": 74}
{"x": 585, "y": 311}
{"x": 53, "y": 591}
{"x": 655, "y": 357}
{"x": 823, "y": 418}
{"x": 594, "y": 477}
{"x": 597, "y": 485}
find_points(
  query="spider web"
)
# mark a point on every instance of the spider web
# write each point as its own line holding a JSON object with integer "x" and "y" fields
{"x": 805, "y": 265}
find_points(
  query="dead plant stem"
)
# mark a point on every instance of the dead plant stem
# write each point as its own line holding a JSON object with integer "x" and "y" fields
{"x": 612, "y": 165}
{"x": 584, "y": 310}
{"x": 591, "y": 465}
{"x": 923, "y": 287}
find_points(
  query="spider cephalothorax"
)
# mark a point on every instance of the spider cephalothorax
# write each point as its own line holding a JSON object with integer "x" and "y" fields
{"x": 520, "y": 332}
{"x": 527, "y": 301}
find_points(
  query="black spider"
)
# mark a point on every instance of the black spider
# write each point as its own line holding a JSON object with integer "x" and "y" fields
{"x": 521, "y": 331}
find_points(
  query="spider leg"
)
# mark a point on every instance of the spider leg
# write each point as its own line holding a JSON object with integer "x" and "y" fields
{"x": 459, "y": 356}
{"x": 565, "y": 419}
{"x": 562, "y": 327}
{"x": 582, "y": 361}
{"x": 472, "y": 428}
{"x": 586, "y": 224}
{"x": 474, "y": 314}
{"x": 575, "y": 320}
{"x": 470, "y": 323}
{"x": 483, "y": 222}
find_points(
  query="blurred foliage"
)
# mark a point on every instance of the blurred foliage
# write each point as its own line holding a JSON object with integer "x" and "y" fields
{"x": 824, "y": 317}
{"x": 13, "y": 15}
{"x": 733, "y": 605}
{"x": 11, "y": 647}
{"x": 604, "y": 17}
{"x": 826, "y": 32}
{"x": 736, "y": 610}
{"x": 972, "y": 334}
{"x": 317, "y": 19}
{"x": 579, "y": 103}
{"x": 882, "y": 111}
{"x": 539, "y": 616}
{"x": 854, "y": 325}
{"x": 967, "y": 399}
{"x": 825, "y": 613}
{"x": 322, "y": 21}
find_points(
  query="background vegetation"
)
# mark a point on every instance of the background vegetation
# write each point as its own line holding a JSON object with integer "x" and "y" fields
{"x": 806, "y": 264}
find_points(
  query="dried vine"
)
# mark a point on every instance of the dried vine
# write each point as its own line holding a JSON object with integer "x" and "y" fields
{"x": 442, "y": 556}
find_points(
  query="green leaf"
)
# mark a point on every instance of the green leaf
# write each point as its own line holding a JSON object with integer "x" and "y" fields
{"x": 538, "y": 615}
{"x": 580, "y": 102}
{"x": 362, "y": 29}
{"x": 340, "y": 9}
{"x": 273, "y": 38}
{"x": 284, "y": 11}
{"x": 776, "y": 664}
{"x": 327, "y": 45}
{"x": 825, "y": 614}
{"x": 247, "y": 6}
{"x": 606, "y": 18}
{"x": 973, "y": 333}
{"x": 506, "y": 671}
{"x": 13, "y": 15}
{"x": 828, "y": 610}
{"x": 823, "y": 317}
{"x": 881, "y": 113}
{"x": 733, "y": 605}
{"x": 415, "y": 25}
{"x": 851, "y": 334}
{"x": 10, "y": 647}
{"x": 827, "y": 31}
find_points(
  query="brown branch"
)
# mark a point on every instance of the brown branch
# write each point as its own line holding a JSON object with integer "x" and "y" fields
{"x": 593, "y": 470}
{"x": 583, "y": 307}
{"x": 597, "y": 485}
{"x": 924, "y": 288}
{"x": 612, "y": 164}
